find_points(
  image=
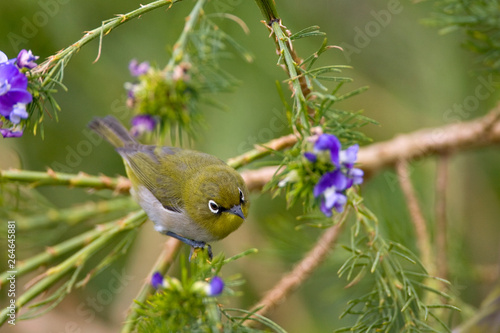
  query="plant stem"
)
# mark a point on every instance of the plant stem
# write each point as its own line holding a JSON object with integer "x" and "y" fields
{"x": 417, "y": 217}
{"x": 39, "y": 178}
{"x": 77, "y": 214}
{"x": 181, "y": 43}
{"x": 263, "y": 150}
{"x": 53, "y": 252}
{"x": 441, "y": 224}
{"x": 268, "y": 9}
{"x": 54, "y": 274}
{"x": 61, "y": 59}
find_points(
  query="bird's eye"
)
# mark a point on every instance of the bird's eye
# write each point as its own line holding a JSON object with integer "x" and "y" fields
{"x": 242, "y": 196}
{"x": 213, "y": 206}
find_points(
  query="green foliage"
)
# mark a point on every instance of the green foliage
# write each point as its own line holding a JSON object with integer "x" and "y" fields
{"x": 400, "y": 289}
{"x": 182, "y": 305}
{"x": 479, "y": 20}
{"x": 192, "y": 76}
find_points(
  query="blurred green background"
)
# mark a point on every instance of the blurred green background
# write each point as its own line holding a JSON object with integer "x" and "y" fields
{"x": 415, "y": 77}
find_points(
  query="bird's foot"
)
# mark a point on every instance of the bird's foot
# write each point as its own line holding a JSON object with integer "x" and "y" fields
{"x": 195, "y": 245}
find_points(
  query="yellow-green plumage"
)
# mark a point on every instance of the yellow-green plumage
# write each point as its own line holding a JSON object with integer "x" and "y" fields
{"x": 180, "y": 189}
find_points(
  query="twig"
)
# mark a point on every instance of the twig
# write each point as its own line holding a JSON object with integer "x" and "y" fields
{"x": 163, "y": 263}
{"x": 39, "y": 178}
{"x": 76, "y": 214}
{"x": 300, "y": 273}
{"x": 60, "y": 59}
{"x": 53, "y": 252}
{"x": 263, "y": 150}
{"x": 419, "y": 223}
{"x": 180, "y": 45}
{"x": 256, "y": 179}
{"x": 479, "y": 132}
{"x": 56, "y": 273}
{"x": 441, "y": 229}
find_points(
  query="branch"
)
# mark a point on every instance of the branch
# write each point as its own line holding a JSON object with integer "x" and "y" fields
{"x": 263, "y": 150}
{"x": 257, "y": 179}
{"x": 180, "y": 46}
{"x": 417, "y": 217}
{"x": 476, "y": 133}
{"x": 59, "y": 250}
{"x": 441, "y": 228}
{"x": 74, "y": 263}
{"x": 291, "y": 281}
{"x": 38, "y": 178}
{"x": 74, "y": 215}
{"x": 481, "y": 132}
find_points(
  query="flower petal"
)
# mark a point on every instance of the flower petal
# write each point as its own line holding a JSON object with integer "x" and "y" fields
{"x": 216, "y": 286}
{"x": 349, "y": 156}
{"x": 340, "y": 202}
{"x": 26, "y": 59}
{"x": 137, "y": 69}
{"x": 324, "y": 209}
{"x": 142, "y": 123}
{"x": 311, "y": 156}
{"x": 157, "y": 280}
{"x": 327, "y": 142}
{"x": 356, "y": 175}
{"x": 18, "y": 113}
{"x": 11, "y": 98}
{"x": 3, "y": 57}
{"x": 9, "y": 133}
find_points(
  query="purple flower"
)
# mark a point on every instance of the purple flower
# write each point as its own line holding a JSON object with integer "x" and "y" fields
{"x": 355, "y": 176}
{"x": 9, "y": 133}
{"x": 26, "y": 59}
{"x": 137, "y": 69}
{"x": 349, "y": 156}
{"x": 215, "y": 287}
{"x": 13, "y": 89}
{"x": 330, "y": 189}
{"x": 157, "y": 280}
{"x": 332, "y": 199}
{"x": 18, "y": 113}
{"x": 331, "y": 143}
{"x": 311, "y": 156}
{"x": 3, "y": 57}
{"x": 142, "y": 123}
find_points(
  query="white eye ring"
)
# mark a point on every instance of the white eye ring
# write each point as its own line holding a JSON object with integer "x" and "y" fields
{"x": 213, "y": 206}
{"x": 242, "y": 196}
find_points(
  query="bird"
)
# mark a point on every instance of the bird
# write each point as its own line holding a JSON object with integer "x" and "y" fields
{"x": 189, "y": 195}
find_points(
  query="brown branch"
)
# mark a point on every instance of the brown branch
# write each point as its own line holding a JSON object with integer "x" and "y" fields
{"x": 291, "y": 281}
{"x": 477, "y": 133}
{"x": 441, "y": 229}
{"x": 417, "y": 217}
{"x": 256, "y": 179}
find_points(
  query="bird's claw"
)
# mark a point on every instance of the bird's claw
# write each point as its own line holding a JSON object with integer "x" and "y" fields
{"x": 195, "y": 245}
{"x": 194, "y": 251}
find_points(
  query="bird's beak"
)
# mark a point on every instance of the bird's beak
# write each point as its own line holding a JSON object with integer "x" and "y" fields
{"x": 236, "y": 210}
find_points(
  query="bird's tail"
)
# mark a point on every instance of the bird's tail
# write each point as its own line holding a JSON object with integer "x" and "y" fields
{"x": 112, "y": 130}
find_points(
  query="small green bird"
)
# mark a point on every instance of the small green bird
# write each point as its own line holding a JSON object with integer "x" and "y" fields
{"x": 191, "y": 196}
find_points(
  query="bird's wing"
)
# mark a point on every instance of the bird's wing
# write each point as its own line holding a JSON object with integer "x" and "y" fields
{"x": 158, "y": 174}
